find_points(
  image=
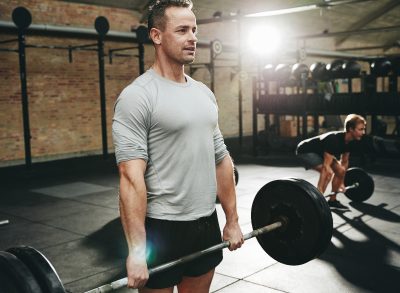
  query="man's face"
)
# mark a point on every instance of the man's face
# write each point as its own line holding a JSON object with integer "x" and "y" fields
{"x": 178, "y": 40}
{"x": 358, "y": 131}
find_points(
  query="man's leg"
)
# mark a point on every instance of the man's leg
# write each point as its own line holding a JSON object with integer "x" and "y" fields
{"x": 200, "y": 284}
{"x": 338, "y": 178}
{"x": 324, "y": 178}
{"x": 337, "y": 184}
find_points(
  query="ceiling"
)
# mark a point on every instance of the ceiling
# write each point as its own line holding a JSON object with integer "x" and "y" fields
{"x": 367, "y": 27}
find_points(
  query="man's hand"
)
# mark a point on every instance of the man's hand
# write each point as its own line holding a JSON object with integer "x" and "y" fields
{"x": 341, "y": 188}
{"x": 137, "y": 271}
{"x": 233, "y": 234}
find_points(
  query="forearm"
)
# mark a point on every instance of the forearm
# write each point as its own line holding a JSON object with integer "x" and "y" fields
{"x": 226, "y": 189}
{"x": 133, "y": 205}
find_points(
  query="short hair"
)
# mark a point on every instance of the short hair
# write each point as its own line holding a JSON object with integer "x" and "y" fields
{"x": 156, "y": 16}
{"x": 352, "y": 120}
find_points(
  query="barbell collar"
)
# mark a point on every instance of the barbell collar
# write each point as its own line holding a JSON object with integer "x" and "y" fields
{"x": 353, "y": 186}
{"x": 124, "y": 281}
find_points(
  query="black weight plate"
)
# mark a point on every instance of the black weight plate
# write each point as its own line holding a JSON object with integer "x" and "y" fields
{"x": 7, "y": 284}
{"x": 366, "y": 184}
{"x": 41, "y": 268}
{"x": 309, "y": 229}
{"x": 19, "y": 277}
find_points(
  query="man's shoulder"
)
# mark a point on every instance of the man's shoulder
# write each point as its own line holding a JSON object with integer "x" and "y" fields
{"x": 204, "y": 88}
{"x": 143, "y": 80}
{"x": 140, "y": 87}
{"x": 332, "y": 135}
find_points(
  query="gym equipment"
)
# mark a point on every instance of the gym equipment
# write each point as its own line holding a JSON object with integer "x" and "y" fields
{"x": 216, "y": 47}
{"x": 101, "y": 25}
{"x": 142, "y": 34}
{"x": 22, "y": 17}
{"x": 319, "y": 72}
{"x": 299, "y": 203}
{"x": 300, "y": 71}
{"x": 283, "y": 72}
{"x": 292, "y": 223}
{"x": 381, "y": 67}
{"x": 365, "y": 182}
{"x": 15, "y": 276}
{"x": 41, "y": 268}
{"x": 359, "y": 185}
{"x": 335, "y": 69}
{"x": 351, "y": 69}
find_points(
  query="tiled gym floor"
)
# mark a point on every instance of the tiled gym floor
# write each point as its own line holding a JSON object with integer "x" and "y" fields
{"x": 69, "y": 211}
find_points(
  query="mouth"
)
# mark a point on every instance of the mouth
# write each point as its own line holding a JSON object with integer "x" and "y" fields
{"x": 190, "y": 49}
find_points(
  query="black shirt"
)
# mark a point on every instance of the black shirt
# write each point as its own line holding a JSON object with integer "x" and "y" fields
{"x": 331, "y": 142}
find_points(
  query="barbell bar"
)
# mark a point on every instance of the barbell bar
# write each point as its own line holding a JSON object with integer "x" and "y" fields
{"x": 291, "y": 221}
{"x": 124, "y": 281}
{"x": 355, "y": 185}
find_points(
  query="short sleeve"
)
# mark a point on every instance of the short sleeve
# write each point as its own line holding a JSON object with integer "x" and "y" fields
{"x": 219, "y": 145}
{"x": 131, "y": 124}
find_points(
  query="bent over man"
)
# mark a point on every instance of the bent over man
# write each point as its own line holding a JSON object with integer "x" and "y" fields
{"x": 172, "y": 162}
{"x": 329, "y": 155}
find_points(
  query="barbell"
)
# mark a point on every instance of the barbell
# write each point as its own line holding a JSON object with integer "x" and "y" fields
{"x": 291, "y": 221}
{"x": 359, "y": 185}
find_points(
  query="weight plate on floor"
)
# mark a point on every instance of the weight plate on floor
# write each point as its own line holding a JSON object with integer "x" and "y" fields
{"x": 41, "y": 268}
{"x": 366, "y": 184}
{"x": 17, "y": 275}
{"x": 309, "y": 220}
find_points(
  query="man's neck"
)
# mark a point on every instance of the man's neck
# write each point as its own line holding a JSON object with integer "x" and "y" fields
{"x": 169, "y": 71}
{"x": 347, "y": 137}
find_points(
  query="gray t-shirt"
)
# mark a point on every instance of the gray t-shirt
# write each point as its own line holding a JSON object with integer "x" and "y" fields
{"x": 174, "y": 128}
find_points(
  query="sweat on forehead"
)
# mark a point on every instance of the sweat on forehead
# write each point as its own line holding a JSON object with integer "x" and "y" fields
{"x": 156, "y": 17}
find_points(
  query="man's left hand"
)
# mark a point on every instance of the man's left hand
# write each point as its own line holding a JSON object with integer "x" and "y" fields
{"x": 233, "y": 234}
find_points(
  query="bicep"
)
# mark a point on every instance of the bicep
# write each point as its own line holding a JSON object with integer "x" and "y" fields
{"x": 130, "y": 127}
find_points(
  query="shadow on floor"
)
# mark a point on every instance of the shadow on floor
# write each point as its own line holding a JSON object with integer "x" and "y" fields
{"x": 364, "y": 262}
{"x": 109, "y": 240}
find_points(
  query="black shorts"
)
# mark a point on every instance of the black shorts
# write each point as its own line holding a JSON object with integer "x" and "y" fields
{"x": 310, "y": 160}
{"x": 170, "y": 240}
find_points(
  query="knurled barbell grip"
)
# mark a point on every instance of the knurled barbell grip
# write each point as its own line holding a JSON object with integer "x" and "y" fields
{"x": 124, "y": 281}
{"x": 355, "y": 185}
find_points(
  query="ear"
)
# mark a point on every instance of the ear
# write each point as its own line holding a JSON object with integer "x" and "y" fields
{"x": 155, "y": 35}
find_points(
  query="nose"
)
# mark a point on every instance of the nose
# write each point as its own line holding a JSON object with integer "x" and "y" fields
{"x": 193, "y": 37}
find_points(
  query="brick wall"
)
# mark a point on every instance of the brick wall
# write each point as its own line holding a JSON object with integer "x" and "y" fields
{"x": 64, "y": 100}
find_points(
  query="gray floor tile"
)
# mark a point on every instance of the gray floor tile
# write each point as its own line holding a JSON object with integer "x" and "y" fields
{"x": 245, "y": 286}
{"x": 319, "y": 276}
{"x": 245, "y": 261}
{"x": 33, "y": 234}
{"x": 84, "y": 222}
{"x": 107, "y": 198}
{"x": 70, "y": 190}
{"x": 37, "y": 207}
{"x": 76, "y": 261}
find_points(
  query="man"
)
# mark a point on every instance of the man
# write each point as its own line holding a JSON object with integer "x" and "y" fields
{"x": 172, "y": 162}
{"x": 329, "y": 155}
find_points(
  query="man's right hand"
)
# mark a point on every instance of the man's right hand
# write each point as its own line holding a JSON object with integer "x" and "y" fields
{"x": 137, "y": 271}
